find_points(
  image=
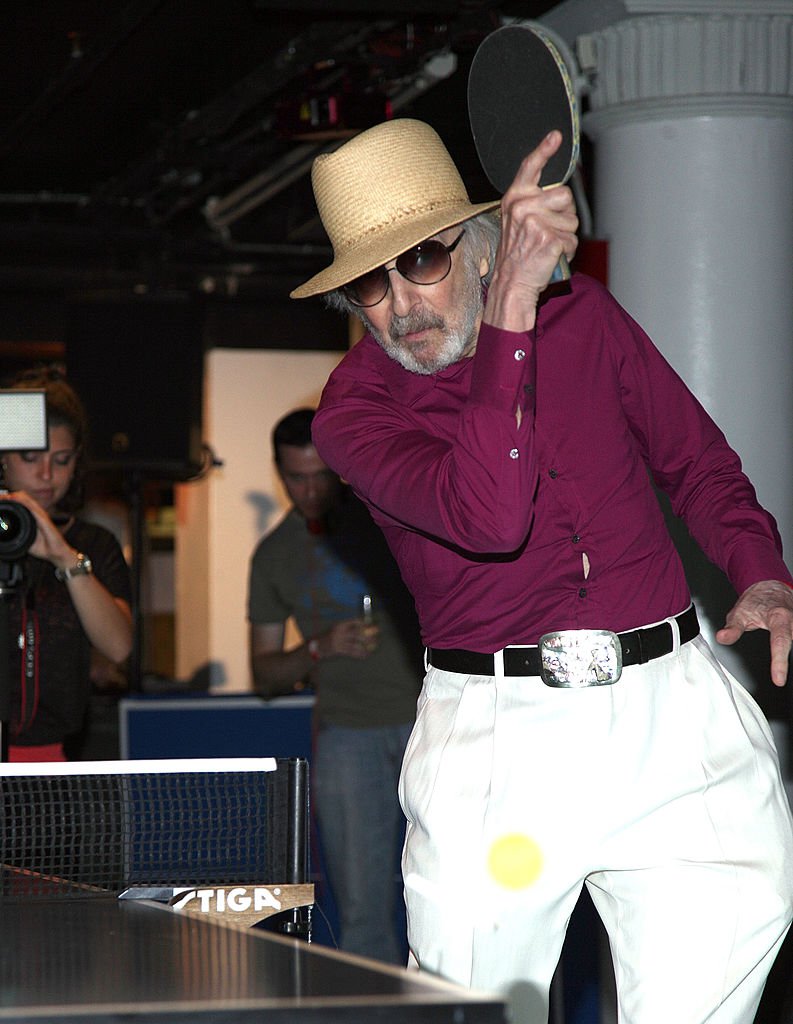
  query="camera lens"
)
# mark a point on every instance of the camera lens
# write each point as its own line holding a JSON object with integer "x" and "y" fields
{"x": 17, "y": 530}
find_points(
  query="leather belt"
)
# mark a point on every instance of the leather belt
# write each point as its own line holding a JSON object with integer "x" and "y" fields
{"x": 637, "y": 647}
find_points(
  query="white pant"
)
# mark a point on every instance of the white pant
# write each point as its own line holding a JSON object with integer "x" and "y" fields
{"x": 661, "y": 793}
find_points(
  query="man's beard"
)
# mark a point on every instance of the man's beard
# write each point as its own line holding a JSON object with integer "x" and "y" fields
{"x": 454, "y": 343}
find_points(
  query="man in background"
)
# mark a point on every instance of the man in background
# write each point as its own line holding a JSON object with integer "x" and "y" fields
{"x": 327, "y": 566}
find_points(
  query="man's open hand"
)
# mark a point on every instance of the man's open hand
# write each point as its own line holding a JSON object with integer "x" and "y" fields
{"x": 766, "y": 605}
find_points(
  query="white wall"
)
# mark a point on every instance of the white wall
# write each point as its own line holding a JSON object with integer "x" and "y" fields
{"x": 220, "y": 519}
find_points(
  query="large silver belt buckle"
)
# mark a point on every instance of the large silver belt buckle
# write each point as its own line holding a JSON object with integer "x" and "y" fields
{"x": 580, "y": 657}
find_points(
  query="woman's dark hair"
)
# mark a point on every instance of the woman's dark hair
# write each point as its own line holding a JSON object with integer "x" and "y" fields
{"x": 64, "y": 409}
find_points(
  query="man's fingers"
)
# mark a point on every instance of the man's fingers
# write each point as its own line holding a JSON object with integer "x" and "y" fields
{"x": 780, "y": 661}
{"x": 550, "y": 144}
{"x": 781, "y": 643}
{"x": 729, "y": 635}
{"x": 780, "y": 655}
{"x": 532, "y": 165}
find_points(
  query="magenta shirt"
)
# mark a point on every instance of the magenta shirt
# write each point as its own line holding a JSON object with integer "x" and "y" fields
{"x": 503, "y": 533}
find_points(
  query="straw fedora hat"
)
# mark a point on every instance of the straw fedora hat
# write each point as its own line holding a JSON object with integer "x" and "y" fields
{"x": 381, "y": 193}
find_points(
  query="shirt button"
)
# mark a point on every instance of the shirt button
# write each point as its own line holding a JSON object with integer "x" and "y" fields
{"x": 582, "y": 592}
{"x": 514, "y": 453}
{"x": 575, "y": 538}
{"x": 519, "y": 354}
{"x": 552, "y": 474}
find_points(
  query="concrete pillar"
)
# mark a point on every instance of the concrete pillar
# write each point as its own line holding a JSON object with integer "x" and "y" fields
{"x": 691, "y": 116}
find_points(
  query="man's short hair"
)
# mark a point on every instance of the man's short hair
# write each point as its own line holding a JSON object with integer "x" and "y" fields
{"x": 294, "y": 429}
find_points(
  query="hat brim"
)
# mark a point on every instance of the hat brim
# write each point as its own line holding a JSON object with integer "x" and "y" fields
{"x": 386, "y": 244}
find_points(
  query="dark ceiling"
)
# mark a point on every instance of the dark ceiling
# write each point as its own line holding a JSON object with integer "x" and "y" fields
{"x": 126, "y": 126}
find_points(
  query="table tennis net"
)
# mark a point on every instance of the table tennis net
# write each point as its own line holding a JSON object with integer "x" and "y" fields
{"x": 113, "y": 825}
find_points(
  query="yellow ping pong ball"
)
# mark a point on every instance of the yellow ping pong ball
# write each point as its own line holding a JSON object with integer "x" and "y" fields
{"x": 515, "y": 861}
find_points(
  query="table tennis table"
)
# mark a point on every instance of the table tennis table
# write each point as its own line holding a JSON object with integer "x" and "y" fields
{"x": 98, "y": 960}
{"x": 122, "y": 889}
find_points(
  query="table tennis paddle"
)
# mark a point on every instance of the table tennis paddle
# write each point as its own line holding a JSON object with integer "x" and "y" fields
{"x": 519, "y": 89}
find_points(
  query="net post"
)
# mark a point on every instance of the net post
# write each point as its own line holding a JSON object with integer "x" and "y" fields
{"x": 297, "y": 825}
{"x": 297, "y": 921}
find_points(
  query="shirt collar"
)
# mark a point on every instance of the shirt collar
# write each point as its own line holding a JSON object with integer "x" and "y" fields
{"x": 409, "y": 388}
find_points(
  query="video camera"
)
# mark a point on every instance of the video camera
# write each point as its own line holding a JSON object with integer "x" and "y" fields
{"x": 17, "y": 530}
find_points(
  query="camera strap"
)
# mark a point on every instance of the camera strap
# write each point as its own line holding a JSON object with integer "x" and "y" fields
{"x": 29, "y": 673}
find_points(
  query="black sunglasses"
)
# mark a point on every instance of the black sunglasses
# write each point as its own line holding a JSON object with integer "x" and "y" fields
{"x": 426, "y": 263}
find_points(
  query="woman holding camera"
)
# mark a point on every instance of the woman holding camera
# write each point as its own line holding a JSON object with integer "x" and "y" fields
{"x": 74, "y": 593}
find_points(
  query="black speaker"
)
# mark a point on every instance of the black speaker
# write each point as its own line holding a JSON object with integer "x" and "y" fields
{"x": 138, "y": 366}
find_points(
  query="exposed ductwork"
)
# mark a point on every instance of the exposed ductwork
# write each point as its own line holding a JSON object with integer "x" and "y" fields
{"x": 138, "y": 141}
